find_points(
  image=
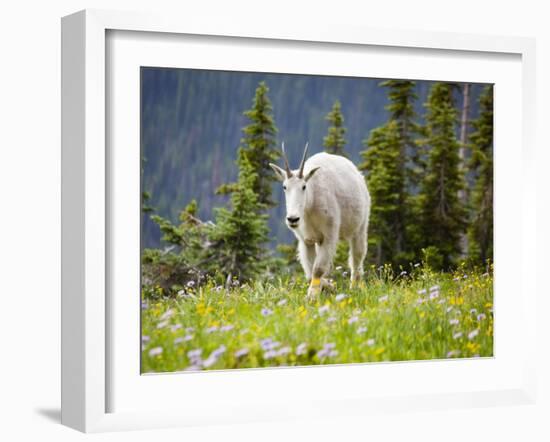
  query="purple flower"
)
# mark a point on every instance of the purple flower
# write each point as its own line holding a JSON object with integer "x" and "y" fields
{"x": 481, "y": 317}
{"x": 457, "y": 335}
{"x": 282, "y": 302}
{"x": 270, "y": 354}
{"x": 162, "y": 324}
{"x": 266, "y": 311}
{"x": 473, "y": 334}
{"x": 323, "y": 309}
{"x": 454, "y": 321}
{"x": 155, "y": 351}
{"x": 193, "y": 368}
{"x": 226, "y": 327}
{"x": 145, "y": 338}
{"x": 209, "y": 361}
{"x": 434, "y": 288}
{"x": 167, "y": 314}
{"x": 331, "y": 319}
{"x": 242, "y": 352}
{"x": 175, "y": 327}
{"x": 283, "y": 351}
{"x": 434, "y": 295}
{"x": 353, "y": 319}
{"x": 212, "y": 329}
{"x": 422, "y": 292}
{"x": 144, "y": 305}
{"x": 453, "y": 353}
{"x": 178, "y": 340}
{"x": 301, "y": 349}
{"x": 361, "y": 330}
{"x": 219, "y": 351}
{"x": 269, "y": 344}
{"x": 473, "y": 311}
{"x": 194, "y": 354}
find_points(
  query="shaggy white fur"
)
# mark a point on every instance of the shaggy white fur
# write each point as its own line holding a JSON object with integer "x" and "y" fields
{"x": 327, "y": 200}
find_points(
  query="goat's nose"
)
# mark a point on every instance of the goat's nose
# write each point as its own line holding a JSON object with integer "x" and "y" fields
{"x": 293, "y": 219}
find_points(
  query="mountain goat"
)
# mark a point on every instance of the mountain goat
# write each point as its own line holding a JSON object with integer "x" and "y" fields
{"x": 327, "y": 200}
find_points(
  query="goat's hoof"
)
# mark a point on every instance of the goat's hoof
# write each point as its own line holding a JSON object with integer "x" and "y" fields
{"x": 314, "y": 290}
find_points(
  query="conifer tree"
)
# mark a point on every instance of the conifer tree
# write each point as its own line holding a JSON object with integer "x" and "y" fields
{"x": 258, "y": 147}
{"x": 402, "y": 95}
{"x": 335, "y": 141}
{"x": 239, "y": 235}
{"x": 480, "y": 230}
{"x": 442, "y": 216}
{"x": 386, "y": 183}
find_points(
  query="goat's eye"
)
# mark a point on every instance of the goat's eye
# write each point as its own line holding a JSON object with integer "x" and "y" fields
{"x": 304, "y": 187}
{"x": 284, "y": 187}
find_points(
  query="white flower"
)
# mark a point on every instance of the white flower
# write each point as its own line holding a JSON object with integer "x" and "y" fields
{"x": 453, "y": 353}
{"x": 454, "y": 321}
{"x": 473, "y": 334}
{"x": 361, "y": 330}
{"x": 383, "y": 298}
{"x": 340, "y": 297}
{"x": 175, "y": 327}
{"x": 457, "y": 335}
{"x": 323, "y": 309}
{"x": 282, "y": 302}
{"x": 370, "y": 342}
{"x": 422, "y": 292}
{"x": 226, "y": 327}
{"x": 353, "y": 319}
{"x": 162, "y": 324}
{"x": 434, "y": 288}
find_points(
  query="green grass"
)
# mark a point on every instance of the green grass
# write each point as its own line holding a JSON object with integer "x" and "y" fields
{"x": 388, "y": 319}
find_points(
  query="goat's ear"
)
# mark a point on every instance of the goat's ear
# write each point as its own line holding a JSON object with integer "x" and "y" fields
{"x": 279, "y": 173}
{"x": 311, "y": 172}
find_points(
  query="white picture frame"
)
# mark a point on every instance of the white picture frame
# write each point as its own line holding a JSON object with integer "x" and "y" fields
{"x": 86, "y": 315}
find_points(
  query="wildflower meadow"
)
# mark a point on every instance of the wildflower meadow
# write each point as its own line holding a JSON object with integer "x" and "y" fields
{"x": 412, "y": 316}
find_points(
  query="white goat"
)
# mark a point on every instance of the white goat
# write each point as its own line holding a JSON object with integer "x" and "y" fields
{"x": 327, "y": 200}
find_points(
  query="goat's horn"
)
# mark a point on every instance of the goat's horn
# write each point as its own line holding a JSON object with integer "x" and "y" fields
{"x": 301, "y": 173}
{"x": 288, "y": 171}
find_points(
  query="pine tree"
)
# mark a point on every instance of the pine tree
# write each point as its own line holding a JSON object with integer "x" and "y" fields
{"x": 402, "y": 96}
{"x": 258, "y": 147}
{"x": 386, "y": 183}
{"x": 239, "y": 235}
{"x": 334, "y": 142}
{"x": 393, "y": 163}
{"x": 480, "y": 230}
{"x": 442, "y": 216}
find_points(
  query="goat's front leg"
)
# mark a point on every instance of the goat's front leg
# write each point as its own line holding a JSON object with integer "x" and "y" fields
{"x": 306, "y": 255}
{"x": 321, "y": 267}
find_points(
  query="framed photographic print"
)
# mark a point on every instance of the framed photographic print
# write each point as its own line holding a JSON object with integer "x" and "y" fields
{"x": 291, "y": 222}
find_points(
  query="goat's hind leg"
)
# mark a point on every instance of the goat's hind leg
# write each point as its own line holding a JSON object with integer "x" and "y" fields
{"x": 357, "y": 253}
